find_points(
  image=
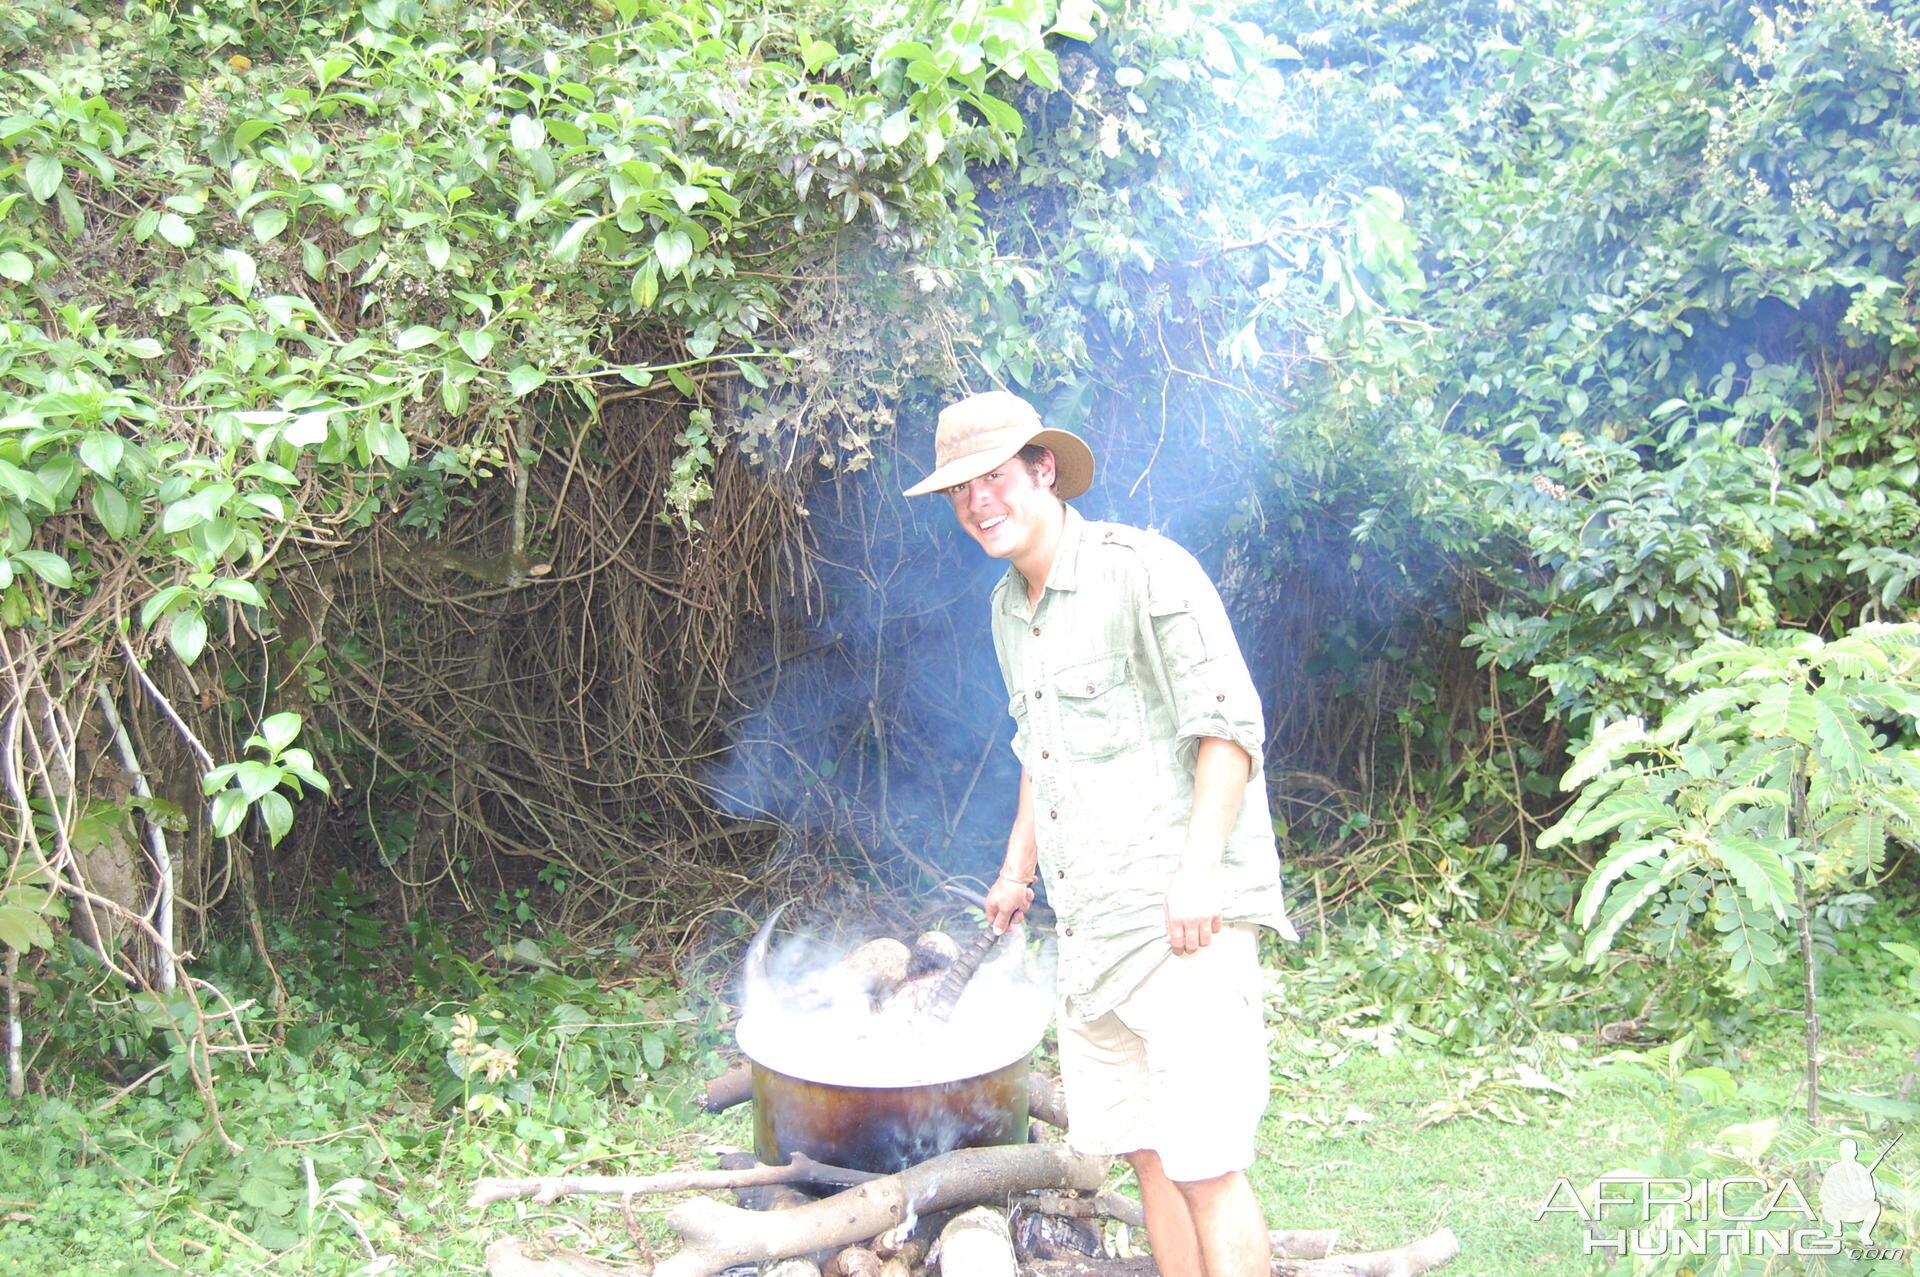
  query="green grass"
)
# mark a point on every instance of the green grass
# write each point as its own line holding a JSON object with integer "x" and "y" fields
{"x": 1350, "y": 1141}
{"x": 1374, "y": 1129}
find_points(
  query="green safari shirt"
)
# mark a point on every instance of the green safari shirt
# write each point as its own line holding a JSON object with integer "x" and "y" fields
{"x": 1126, "y": 664}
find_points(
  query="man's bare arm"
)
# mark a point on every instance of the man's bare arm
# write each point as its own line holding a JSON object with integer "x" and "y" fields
{"x": 1012, "y": 892}
{"x": 1195, "y": 898}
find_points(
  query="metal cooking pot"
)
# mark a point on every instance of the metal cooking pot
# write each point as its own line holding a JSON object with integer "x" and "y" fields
{"x": 851, "y": 1121}
{"x": 886, "y": 1128}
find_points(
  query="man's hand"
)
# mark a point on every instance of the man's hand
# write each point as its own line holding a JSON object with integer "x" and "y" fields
{"x": 1007, "y": 902}
{"x": 1195, "y": 898}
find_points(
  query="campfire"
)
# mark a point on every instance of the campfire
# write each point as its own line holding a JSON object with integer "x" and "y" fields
{"x": 899, "y": 1129}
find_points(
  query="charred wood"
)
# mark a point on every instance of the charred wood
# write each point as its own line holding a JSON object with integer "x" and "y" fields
{"x": 1105, "y": 1204}
{"x": 735, "y": 1086}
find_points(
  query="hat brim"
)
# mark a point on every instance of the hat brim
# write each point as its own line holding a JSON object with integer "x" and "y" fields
{"x": 1072, "y": 460}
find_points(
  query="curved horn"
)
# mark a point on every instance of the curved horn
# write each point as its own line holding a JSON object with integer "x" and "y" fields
{"x": 754, "y": 967}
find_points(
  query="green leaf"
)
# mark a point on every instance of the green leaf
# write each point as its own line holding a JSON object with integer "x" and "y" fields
{"x": 476, "y": 344}
{"x": 277, "y": 812}
{"x": 101, "y": 451}
{"x": 1621, "y": 809}
{"x": 162, "y": 603}
{"x": 1901, "y": 1022}
{"x": 1622, "y": 858}
{"x": 268, "y": 223}
{"x": 524, "y": 380}
{"x": 306, "y": 429}
{"x": 1629, "y": 898}
{"x": 388, "y": 442}
{"x": 1760, "y": 870}
{"x": 815, "y": 54}
{"x": 1845, "y": 746}
{"x": 44, "y": 175}
{"x": 1748, "y": 796}
{"x": 113, "y": 511}
{"x": 1878, "y": 1106}
{"x": 280, "y": 730}
{"x": 526, "y": 133}
{"x": 417, "y": 336}
{"x": 682, "y": 382}
{"x": 1784, "y": 709}
{"x": 1608, "y": 744}
{"x": 1700, "y": 707}
{"x": 1077, "y": 20}
{"x": 673, "y": 250}
{"x": 16, "y": 267}
{"x": 174, "y": 229}
{"x": 240, "y": 591}
{"x": 187, "y": 635}
{"x": 896, "y": 127}
{"x": 49, "y": 567}
{"x": 568, "y": 246}
{"x": 23, "y": 929}
{"x": 229, "y": 809}
{"x": 256, "y": 779}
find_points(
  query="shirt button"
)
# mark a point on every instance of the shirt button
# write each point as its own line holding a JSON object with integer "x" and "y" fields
{"x": 1059, "y": 873}
{"x": 1069, "y": 930}
{"x": 1036, "y": 696}
{"x": 1089, "y": 689}
{"x": 1221, "y": 696}
{"x": 1053, "y": 815}
{"x": 1045, "y": 754}
{"x": 1036, "y": 631}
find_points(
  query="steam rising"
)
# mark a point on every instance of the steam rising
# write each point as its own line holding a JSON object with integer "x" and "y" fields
{"x": 813, "y": 1019}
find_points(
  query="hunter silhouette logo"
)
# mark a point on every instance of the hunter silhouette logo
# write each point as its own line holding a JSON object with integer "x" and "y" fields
{"x": 1846, "y": 1190}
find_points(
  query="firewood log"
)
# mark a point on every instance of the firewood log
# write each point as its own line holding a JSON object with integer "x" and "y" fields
{"x": 854, "y": 1261}
{"x": 900, "y": 1243}
{"x": 801, "y": 1169}
{"x": 978, "y": 1243}
{"x": 716, "y": 1236}
{"x": 735, "y": 1086}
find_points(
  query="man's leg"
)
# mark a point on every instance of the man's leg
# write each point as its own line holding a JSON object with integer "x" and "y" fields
{"x": 1176, "y": 1247}
{"x": 1232, "y": 1230}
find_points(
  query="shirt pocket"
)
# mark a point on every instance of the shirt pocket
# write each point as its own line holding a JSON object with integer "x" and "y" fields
{"x": 1099, "y": 707}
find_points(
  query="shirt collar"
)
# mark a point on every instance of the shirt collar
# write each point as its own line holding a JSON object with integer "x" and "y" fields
{"x": 1064, "y": 575}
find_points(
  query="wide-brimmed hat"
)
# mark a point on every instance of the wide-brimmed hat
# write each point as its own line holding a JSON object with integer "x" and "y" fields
{"x": 987, "y": 430}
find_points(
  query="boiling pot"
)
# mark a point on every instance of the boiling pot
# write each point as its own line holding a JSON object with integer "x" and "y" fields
{"x": 886, "y": 1128}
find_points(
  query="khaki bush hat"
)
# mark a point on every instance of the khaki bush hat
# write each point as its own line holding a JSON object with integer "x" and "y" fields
{"x": 987, "y": 430}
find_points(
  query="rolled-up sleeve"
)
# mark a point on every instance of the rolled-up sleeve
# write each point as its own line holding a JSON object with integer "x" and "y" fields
{"x": 1199, "y": 659}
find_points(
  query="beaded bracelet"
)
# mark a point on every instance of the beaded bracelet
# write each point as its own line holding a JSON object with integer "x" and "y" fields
{"x": 1018, "y": 882}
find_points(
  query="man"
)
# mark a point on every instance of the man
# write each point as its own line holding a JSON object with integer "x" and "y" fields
{"x": 1139, "y": 735}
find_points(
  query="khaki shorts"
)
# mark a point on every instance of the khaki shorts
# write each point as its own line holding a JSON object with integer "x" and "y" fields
{"x": 1179, "y": 1066}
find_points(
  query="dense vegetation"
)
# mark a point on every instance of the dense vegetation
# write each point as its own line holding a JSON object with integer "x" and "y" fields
{"x": 452, "y": 574}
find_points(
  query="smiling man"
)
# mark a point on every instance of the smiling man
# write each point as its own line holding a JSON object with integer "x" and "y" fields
{"x": 1140, "y": 737}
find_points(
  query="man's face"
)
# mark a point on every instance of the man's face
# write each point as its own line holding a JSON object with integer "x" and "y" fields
{"x": 1010, "y": 510}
